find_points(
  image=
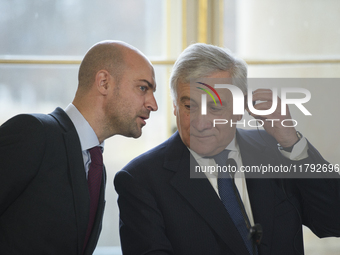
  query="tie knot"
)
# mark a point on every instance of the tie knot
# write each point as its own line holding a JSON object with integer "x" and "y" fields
{"x": 222, "y": 160}
{"x": 96, "y": 155}
{"x": 222, "y": 157}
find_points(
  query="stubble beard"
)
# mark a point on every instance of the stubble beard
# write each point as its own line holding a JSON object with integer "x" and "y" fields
{"x": 121, "y": 120}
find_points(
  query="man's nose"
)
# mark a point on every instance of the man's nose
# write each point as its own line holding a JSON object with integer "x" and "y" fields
{"x": 151, "y": 103}
{"x": 201, "y": 122}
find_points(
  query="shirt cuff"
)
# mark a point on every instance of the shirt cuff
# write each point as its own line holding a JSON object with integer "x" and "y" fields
{"x": 299, "y": 152}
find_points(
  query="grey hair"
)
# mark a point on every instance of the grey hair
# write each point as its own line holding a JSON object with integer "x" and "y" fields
{"x": 201, "y": 60}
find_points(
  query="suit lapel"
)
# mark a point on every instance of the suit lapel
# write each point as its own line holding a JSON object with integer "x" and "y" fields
{"x": 201, "y": 195}
{"x": 261, "y": 200}
{"x": 260, "y": 191}
{"x": 76, "y": 174}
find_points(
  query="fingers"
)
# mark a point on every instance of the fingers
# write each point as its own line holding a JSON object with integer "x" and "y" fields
{"x": 267, "y": 99}
{"x": 262, "y": 95}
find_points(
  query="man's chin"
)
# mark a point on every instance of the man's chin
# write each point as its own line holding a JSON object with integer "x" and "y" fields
{"x": 204, "y": 151}
{"x": 136, "y": 134}
{"x": 133, "y": 133}
{"x": 202, "y": 147}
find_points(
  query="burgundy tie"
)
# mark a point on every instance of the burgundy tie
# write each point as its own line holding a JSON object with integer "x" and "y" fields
{"x": 94, "y": 182}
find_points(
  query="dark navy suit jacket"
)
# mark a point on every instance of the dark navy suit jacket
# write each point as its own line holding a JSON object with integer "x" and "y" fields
{"x": 44, "y": 198}
{"x": 164, "y": 211}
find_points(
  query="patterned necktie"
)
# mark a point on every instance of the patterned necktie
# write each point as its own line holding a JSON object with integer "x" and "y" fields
{"x": 94, "y": 183}
{"x": 231, "y": 199}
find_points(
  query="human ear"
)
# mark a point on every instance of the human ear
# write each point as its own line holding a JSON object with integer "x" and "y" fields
{"x": 175, "y": 108}
{"x": 102, "y": 81}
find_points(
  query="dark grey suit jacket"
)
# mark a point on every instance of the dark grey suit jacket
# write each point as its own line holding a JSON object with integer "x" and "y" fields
{"x": 44, "y": 198}
{"x": 164, "y": 211}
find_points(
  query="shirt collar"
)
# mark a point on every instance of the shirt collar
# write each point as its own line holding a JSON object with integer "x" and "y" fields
{"x": 87, "y": 136}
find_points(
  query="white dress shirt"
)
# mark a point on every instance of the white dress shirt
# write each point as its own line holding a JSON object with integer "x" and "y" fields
{"x": 87, "y": 136}
{"x": 299, "y": 152}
